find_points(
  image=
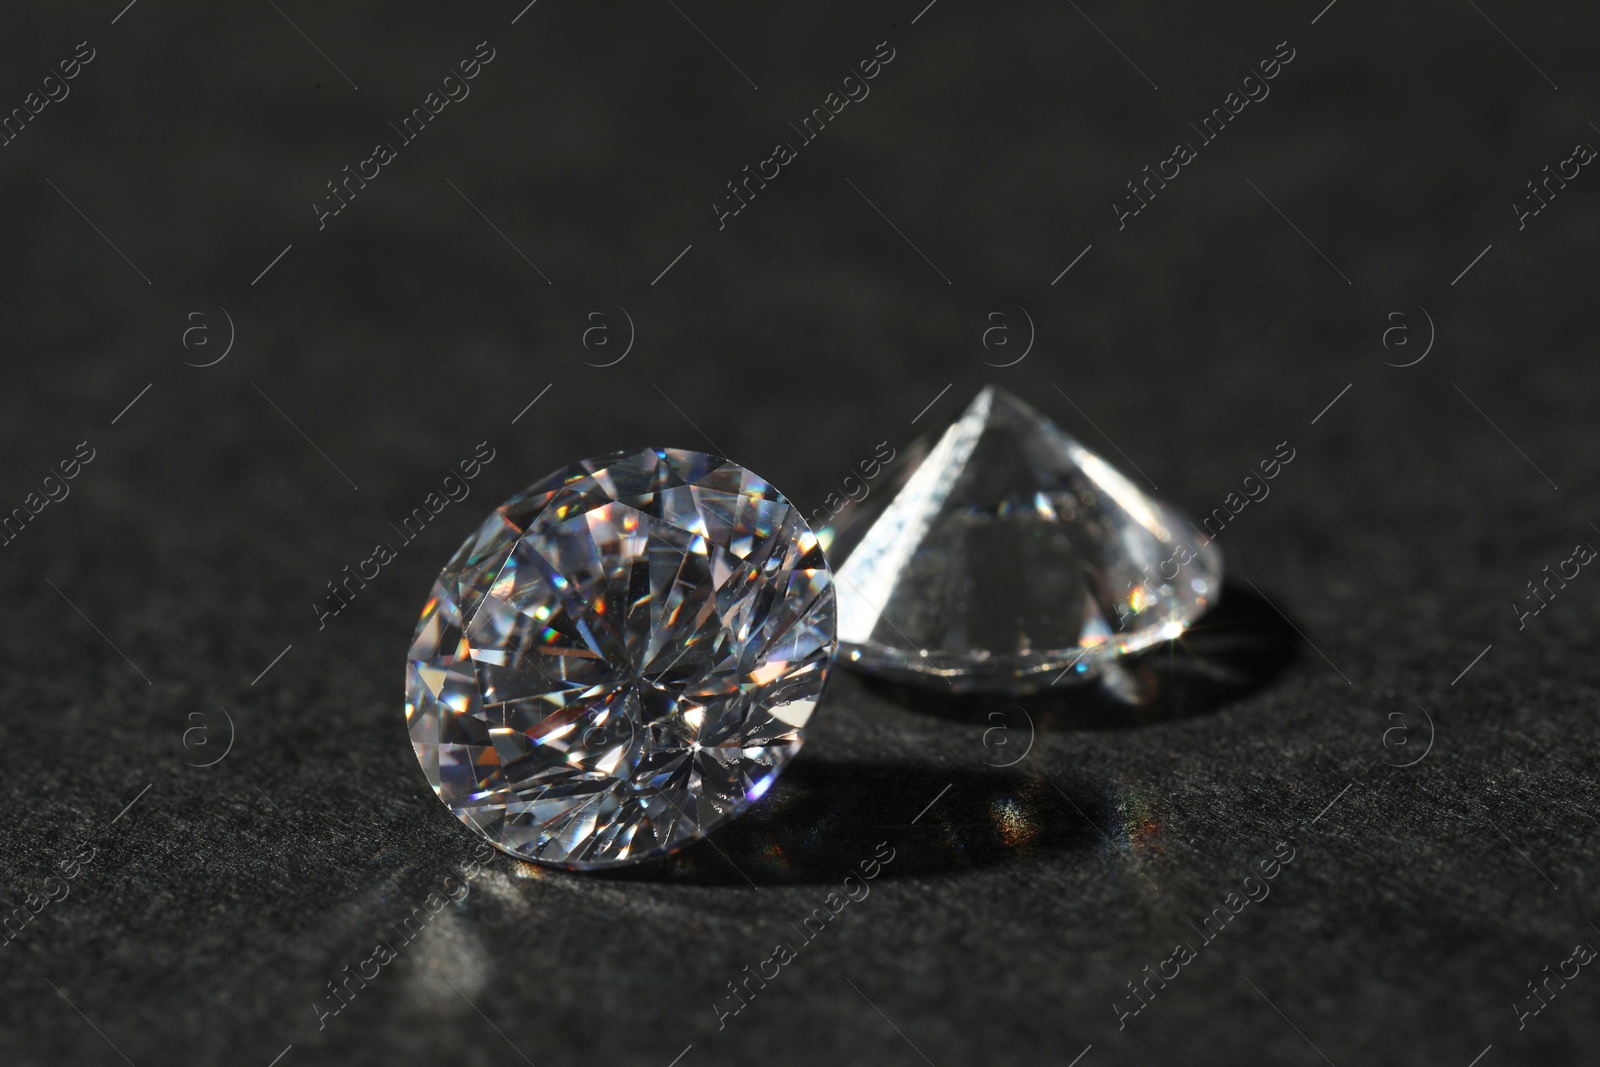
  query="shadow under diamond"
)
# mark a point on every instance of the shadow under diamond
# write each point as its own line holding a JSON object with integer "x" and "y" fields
{"x": 823, "y": 818}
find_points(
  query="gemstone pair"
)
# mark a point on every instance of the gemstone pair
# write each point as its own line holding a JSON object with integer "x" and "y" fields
{"x": 627, "y": 652}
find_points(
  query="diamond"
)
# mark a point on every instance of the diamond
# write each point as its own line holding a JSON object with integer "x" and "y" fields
{"x": 1008, "y": 556}
{"x": 624, "y": 655}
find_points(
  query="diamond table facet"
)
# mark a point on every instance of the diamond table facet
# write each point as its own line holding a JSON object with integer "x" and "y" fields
{"x": 624, "y": 655}
{"x": 1009, "y": 558}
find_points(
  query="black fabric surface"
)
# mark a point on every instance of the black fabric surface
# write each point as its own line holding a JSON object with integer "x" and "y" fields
{"x": 163, "y": 612}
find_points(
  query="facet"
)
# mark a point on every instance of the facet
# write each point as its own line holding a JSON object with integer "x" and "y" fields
{"x": 623, "y": 655}
{"x": 1008, "y": 556}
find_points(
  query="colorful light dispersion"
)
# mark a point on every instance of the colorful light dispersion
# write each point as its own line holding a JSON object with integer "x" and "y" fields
{"x": 1138, "y": 833}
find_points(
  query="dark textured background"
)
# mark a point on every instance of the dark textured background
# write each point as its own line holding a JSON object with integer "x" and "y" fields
{"x": 217, "y": 908}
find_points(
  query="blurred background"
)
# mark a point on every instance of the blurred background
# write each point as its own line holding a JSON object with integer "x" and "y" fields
{"x": 252, "y": 364}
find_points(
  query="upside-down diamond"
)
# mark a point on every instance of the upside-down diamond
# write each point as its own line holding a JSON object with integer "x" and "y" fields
{"x": 1010, "y": 558}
